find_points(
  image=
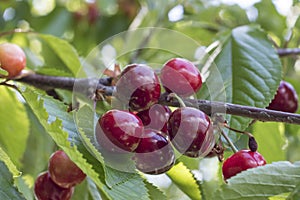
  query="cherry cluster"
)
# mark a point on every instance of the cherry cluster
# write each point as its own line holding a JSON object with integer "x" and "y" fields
{"x": 149, "y": 129}
{"x": 60, "y": 179}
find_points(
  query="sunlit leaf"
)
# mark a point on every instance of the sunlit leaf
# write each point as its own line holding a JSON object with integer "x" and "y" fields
{"x": 10, "y": 165}
{"x": 271, "y": 140}
{"x": 185, "y": 180}
{"x": 14, "y": 125}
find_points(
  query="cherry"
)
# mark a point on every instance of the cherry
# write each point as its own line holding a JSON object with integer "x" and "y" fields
{"x": 286, "y": 98}
{"x": 93, "y": 13}
{"x": 46, "y": 189}
{"x": 138, "y": 87}
{"x": 154, "y": 154}
{"x": 241, "y": 161}
{"x": 156, "y": 117}
{"x": 122, "y": 128}
{"x": 12, "y": 59}
{"x": 181, "y": 76}
{"x": 63, "y": 171}
{"x": 191, "y": 132}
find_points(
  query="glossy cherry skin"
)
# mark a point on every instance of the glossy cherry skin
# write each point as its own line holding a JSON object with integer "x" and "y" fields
{"x": 156, "y": 117}
{"x": 46, "y": 189}
{"x": 154, "y": 155}
{"x": 241, "y": 161}
{"x": 12, "y": 59}
{"x": 63, "y": 171}
{"x": 122, "y": 128}
{"x": 286, "y": 98}
{"x": 138, "y": 87}
{"x": 191, "y": 132}
{"x": 181, "y": 76}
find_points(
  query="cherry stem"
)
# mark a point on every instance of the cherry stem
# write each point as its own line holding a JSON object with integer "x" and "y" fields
{"x": 238, "y": 131}
{"x": 230, "y": 143}
{"x": 180, "y": 101}
{"x": 17, "y": 30}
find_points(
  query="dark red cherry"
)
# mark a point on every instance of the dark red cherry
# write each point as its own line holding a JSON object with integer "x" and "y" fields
{"x": 156, "y": 117}
{"x": 46, "y": 189}
{"x": 286, "y": 98}
{"x": 154, "y": 155}
{"x": 181, "y": 76}
{"x": 122, "y": 128}
{"x": 63, "y": 171}
{"x": 138, "y": 87}
{"x": 241, "y": 161}
{"x": 191, "y": 132}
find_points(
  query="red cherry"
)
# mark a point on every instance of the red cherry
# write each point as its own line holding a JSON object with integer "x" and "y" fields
{"x": 181, "y": 76}
{"x": 154, "y": 155}
{"x": 46, "y": 189}
{"x": 191, "y": 132}
{"x": 241, "y": 161}
{"x": 138, "y": 87}
{"x": 286, "y": 98}
{"x": 63, "y": 171}
{"x": 12, "y": 59}
{"x": 156, "y": 117}
{"x": 122, "y": 128}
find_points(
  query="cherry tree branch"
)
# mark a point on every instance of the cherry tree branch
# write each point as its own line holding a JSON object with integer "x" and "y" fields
{"x": 260, "y": 114}
{"x": 86, "y": 85}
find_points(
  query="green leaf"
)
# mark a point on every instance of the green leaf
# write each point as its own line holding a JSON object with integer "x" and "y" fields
{"x": 51, "y": 55}
{"x": 85, "y": 119}
{"x": 7, "y": 189}
{"x": 24, "y": 187}
{"x": 275, "y": 24}
{"x": 64, "y": 51}
{"x": 14, "y": 126}
{"x": 295, "y": 194}
{"x": 251, "y": 70}
{"x": 261, "y": 182}
{"x": 133, "y": 188}
{"x": 39, "y": 145}
{"x": 92, "y": 188}
{"x": 154, "y": 192}
{"x": 80, "y": 192}
{"x": 185, "y": 180}
{"x": 270, "y": 136}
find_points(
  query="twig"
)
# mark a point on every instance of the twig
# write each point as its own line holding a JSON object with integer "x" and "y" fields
{"x": 288, "y": 52}
{"x": 83, "y": 85}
